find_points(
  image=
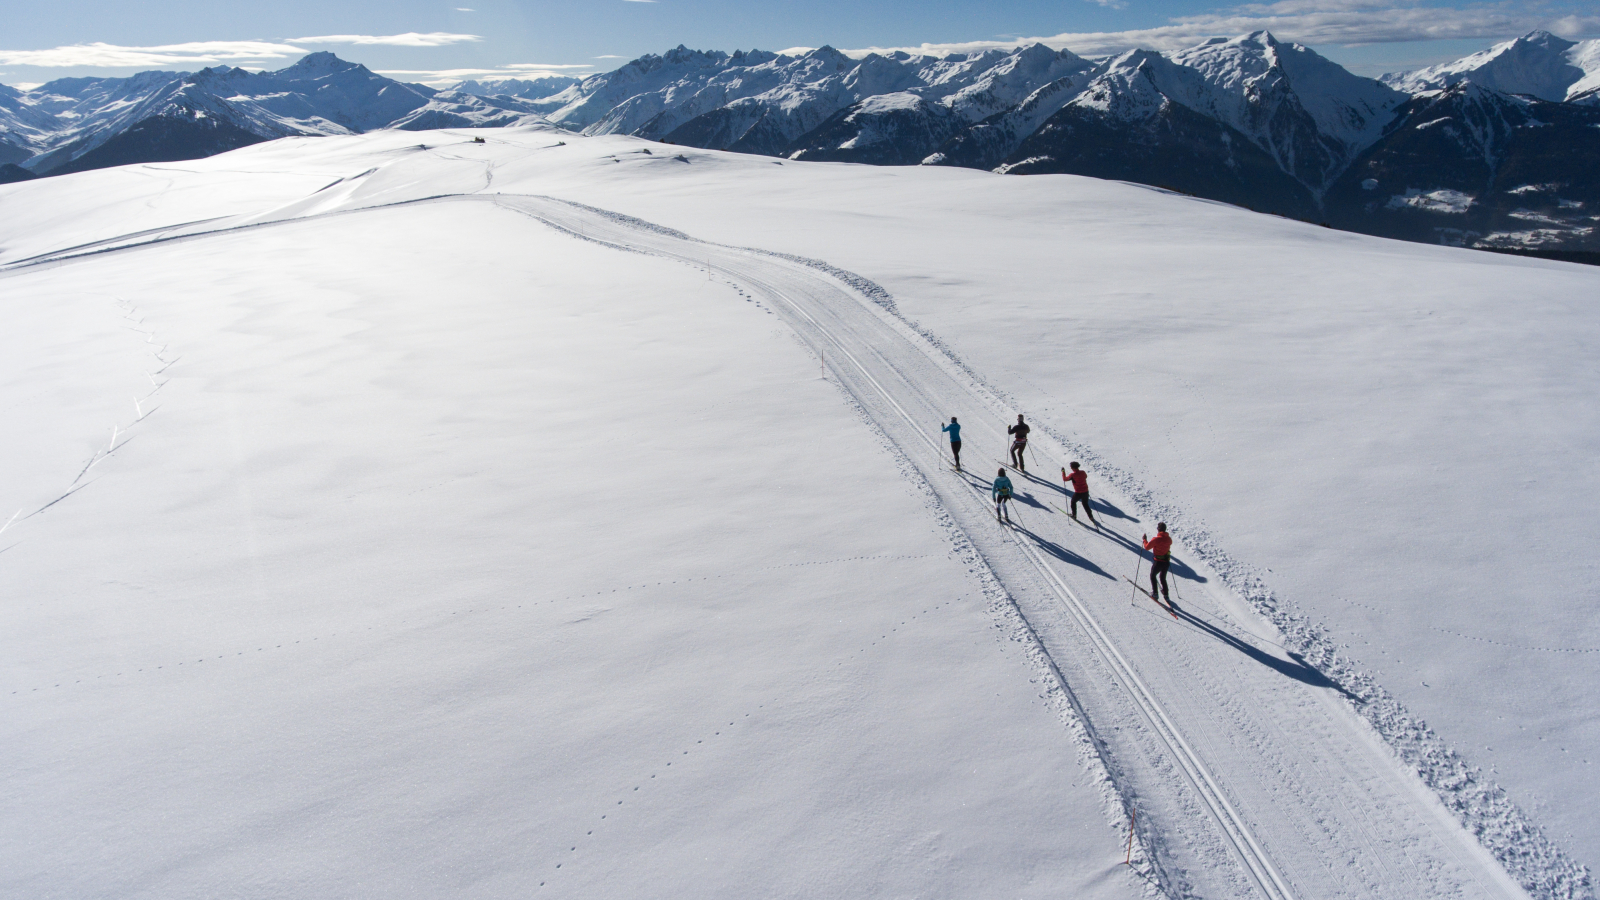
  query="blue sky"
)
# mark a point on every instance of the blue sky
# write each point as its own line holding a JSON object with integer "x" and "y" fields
{"x": 439, "y": 42}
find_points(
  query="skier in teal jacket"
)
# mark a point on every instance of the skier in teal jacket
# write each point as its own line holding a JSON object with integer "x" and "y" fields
{"x": 954, "y": 430}
{"x": 1001, "y": 493}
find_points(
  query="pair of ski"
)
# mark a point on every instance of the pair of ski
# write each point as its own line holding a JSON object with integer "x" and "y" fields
{"x": 1074, "y": 518}
{"x": 1140, "y": 588}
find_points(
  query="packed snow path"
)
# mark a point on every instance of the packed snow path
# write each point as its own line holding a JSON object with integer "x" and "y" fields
{"x": 1250, "y": 774}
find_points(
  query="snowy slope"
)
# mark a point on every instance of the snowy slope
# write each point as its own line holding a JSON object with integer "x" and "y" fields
{"x": 587, "y": 608}
{"x": 369, "y": 376}
{"x": 459, "y": 109}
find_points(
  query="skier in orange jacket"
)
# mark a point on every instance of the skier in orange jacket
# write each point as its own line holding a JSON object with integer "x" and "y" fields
{"x": 1160, "y": 548}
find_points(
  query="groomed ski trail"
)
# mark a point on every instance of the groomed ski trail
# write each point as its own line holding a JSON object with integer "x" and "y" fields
{"x": 1249, "y": 774}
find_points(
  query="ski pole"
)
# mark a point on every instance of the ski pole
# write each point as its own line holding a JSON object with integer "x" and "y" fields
{"x": 1133, "y": 816}
{"x": 1137, "y": 562}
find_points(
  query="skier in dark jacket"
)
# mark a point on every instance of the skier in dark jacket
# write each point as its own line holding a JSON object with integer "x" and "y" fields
{"x": 1160, "y": 548}
{"x": 1001, "y": 493}
{"x": 1019, "y": 443}
{"x": 954, "y": 428}
{"x": 1080, "y": 491}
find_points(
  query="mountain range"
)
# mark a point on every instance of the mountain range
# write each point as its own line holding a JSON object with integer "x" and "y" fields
{"x": 1498, "y": 150}
{"x": 76, "y": 124}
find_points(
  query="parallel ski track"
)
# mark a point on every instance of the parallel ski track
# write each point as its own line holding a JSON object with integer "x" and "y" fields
{"x": 1262, "y": 872}
{"x": 1259, "y": 873}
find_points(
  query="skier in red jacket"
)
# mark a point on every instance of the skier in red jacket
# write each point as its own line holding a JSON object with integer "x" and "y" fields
{"x": 1160, "y": 548}
{"x": 1080, "y": 492}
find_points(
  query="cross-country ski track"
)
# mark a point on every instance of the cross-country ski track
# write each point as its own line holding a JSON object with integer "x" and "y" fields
{"x": 1250, "y": 772}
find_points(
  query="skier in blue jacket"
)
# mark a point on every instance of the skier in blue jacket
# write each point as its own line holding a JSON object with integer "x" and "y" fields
{"x": 1001, "y": 492}
{"x": 954, "y": 428}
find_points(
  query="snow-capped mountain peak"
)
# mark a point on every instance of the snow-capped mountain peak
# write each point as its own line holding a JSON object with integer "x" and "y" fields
{"x": 1538, "y": 64}
{"x": 1251, "y": 75}
{"x": 1308, "y": 114}
{"x": 62, "y": 126}
{"x": 319, "y": 65}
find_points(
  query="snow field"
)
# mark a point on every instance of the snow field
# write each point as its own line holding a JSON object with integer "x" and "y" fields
{"x": 458, "y": 550}
{"x": 1310, "y": 409}
{"x": 1375, "y": 439}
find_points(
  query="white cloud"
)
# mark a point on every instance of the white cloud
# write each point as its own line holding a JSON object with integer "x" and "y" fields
{"x": 112, "y": 56}
{"x": 409, "y": 39}
{"x": 611, "y": 56}
{"x": 1346, "y": 22}
{"x": 1576, "y": 26}
{"x": 445, "y": 77}
{"x": 197, "y": 54}
{"x": 464, "y": 9}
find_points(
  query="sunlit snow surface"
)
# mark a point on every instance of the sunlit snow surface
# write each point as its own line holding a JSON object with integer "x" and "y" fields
{"x": 430, "y": 533}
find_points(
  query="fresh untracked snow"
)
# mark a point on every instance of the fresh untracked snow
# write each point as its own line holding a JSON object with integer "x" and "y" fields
{"x": 446, "y": 555}
{"x": 551, "y": 497}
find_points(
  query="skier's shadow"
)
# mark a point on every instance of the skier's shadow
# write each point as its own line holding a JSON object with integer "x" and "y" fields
{"x": 1178, "y": 570}
{"x": 1027, "y": 500}
{"x": 1101, "y": 507}
{"x": 1297, "y": 669}
{"x": 975, "y": 480}
{"x": 1062, "y": 553}
{"x": 1108, "y": 510}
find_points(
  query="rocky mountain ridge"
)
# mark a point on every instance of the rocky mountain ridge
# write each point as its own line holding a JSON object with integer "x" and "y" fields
{"x": 75, "y": 124}
{"x": 1493, "y": 151}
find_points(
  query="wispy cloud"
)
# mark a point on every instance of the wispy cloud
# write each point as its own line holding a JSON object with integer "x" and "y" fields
{"x": 110, "y": 56}
{"x": 610, "y": 56}
{"x": 445, "y": 77}
{"x": 1345, "y": 22}
{"x": 197, "y": 54}
{"x": 409, "y": 39}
